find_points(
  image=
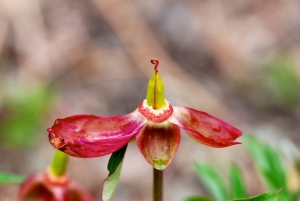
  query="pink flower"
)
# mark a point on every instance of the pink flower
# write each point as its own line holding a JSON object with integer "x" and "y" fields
{"x": 48, "y": 187}
{"x": 155, "y": 124}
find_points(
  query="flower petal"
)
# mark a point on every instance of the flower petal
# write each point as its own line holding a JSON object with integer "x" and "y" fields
{"x": 158, "y": 142}
{"x": 205, "y": 128}
{"x": 92, "y": 136}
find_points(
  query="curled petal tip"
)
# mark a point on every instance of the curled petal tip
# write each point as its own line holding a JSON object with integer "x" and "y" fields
{"x": 155, "y": 62}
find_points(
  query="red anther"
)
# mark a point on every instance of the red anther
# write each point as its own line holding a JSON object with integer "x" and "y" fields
{"x": 155, "y": 62}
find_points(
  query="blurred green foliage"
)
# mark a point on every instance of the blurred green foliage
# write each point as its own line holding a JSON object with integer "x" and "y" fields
{"x": 237, "y": 182}
{"x": 8, "y": 178}
{"x": 269, "y": 162}
{"x": 268, "y": 196}
{"x": 281, "y": 83}
{"x": 22, "y": 114}
{"x": 274, "y": 87}
{"x": 212, "y": 181}
{"x": 198, "y": 198}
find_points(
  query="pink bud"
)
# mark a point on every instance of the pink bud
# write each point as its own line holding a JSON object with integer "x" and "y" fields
{"x": 47, "y": 187}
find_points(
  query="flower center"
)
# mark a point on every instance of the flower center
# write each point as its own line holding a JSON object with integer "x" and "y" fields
{"x": 155, "y": 115}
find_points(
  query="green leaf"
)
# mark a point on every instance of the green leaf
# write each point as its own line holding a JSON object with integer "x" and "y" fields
{"x": 114, "y": 167}
{"x": 238, "y": 186}
{"x": 197, "y": 198}
{"x": 116, "y": 159}
{"x": 268, "y": 196}
{"x": 212, "y": 181}
{"x": 8, "y": 178}
{"x": 268, "y": 160}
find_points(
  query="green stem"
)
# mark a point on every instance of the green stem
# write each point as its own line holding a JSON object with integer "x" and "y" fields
{"x": 59, "y": 163}
{"x": 157, "y": 185}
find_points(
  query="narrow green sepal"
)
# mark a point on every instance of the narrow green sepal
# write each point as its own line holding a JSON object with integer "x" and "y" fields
{"x": 155, "y": 93}
{"x": 59, "y": 163}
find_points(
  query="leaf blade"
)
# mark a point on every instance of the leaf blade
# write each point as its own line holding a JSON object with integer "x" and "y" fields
{"x": 114, "y": 167}
{"x": 237, "y": 182}
{"x": 197, "y": 198}
{"x": 212, "y": 180}
{"x": 268, "y": 196}
{"x": 268, "y": 160}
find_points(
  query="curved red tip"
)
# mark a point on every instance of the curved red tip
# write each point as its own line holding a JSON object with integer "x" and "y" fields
{"x": 155, "y": 62}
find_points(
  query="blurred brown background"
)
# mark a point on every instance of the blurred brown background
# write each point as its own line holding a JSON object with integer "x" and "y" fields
{"x": 237, "y": 60}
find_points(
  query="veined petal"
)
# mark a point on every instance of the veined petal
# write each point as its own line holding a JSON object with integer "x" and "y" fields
{"x": 158, "y": 142}
{"x": 205, "y": 128}
{"x": 92, "y": 136}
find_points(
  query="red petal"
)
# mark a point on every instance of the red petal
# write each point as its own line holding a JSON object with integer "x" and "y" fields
{"x": 205, "y": 128}
{"x": 158, "y": 142}
{"x": 93, "y": 136}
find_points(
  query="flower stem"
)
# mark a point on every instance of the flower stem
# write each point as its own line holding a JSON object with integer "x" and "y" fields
{"x": 157, "y": 185}
{"x": 59, "y": 163}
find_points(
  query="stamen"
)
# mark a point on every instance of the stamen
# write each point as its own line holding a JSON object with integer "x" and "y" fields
{"x": 155, "y": 62}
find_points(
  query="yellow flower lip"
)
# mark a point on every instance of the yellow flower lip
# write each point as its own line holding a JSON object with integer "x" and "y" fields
{"x": 155, "y": 115}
